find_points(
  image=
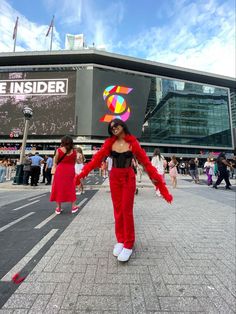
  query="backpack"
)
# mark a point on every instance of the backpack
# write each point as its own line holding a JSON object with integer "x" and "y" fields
{"x": 216, "y": 170}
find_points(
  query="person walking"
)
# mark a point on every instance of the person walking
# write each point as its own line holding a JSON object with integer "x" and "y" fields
{"x": 48, "y": 169}
{"x": 193, "y": 170}
{"x": 63, "y": 186}
{"x": 140, "y": 172}
{"x": 122, "y": 147}
{"x": 134, "y": 165}
{"x": 233, "y": 170}
{"x": 35, "y": 168}
{"x": 3, "y": 170}
{"x": 109, "y": 165}
{"x": 43, "y": 170}
{"x": 158, "y": 161}
{"x": 80, "y": 159}
{"x": 222, "y": 164}
{"x": 26, "y": 169}
{"x": 209, "y": 169}
{"x": 196, "y": 160}
{"x": 173, "y": 171}
{"x": 182, "y": 166}
{"x": 103, "y": 168}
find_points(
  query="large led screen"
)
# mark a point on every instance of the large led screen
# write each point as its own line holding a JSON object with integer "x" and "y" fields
{"x": 119, "y": 95}
{"x": 51, "y": 95}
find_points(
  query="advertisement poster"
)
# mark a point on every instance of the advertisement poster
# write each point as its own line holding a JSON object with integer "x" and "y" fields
{"x": 51, "y": 96}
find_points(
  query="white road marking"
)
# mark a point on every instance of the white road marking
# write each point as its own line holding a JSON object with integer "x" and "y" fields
{"x": 82, "y": 202}
{"x": 34, "y": 198}
{"x": 22, "y": 263}
{"x": 15, "y": 221}
{"x": 28, "y": 204}
{"x": 44, "y": 222}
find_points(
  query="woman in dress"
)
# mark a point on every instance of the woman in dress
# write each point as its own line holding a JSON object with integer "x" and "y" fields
{"x": 63, "y": 187}
{"x": 80, "y": 159}
{"x": 209, "y": 168}
{"x": 123, "y": 147}
{"x": 173, "y": 171}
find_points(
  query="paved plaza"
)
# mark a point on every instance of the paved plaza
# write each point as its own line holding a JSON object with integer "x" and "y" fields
{"x": 183, "y": 260}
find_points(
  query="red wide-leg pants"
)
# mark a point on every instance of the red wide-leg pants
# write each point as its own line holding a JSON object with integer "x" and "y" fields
{"x": 123, "y": 186}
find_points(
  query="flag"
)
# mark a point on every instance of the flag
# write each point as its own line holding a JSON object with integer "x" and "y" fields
{"x": 74, "y": 42}
{"x": 50, "y": 26}
{"x": 15, "y": 28}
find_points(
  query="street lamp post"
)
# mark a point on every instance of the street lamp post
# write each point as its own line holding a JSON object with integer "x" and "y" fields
{"x": 28, "y": 112}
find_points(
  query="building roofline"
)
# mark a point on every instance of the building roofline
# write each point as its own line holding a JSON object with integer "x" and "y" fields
{"x": 34, "y": 58}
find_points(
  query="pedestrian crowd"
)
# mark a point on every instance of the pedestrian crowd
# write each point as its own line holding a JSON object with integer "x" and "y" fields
{"x": 7, "y": 169}
{"x": 36, "y": 167}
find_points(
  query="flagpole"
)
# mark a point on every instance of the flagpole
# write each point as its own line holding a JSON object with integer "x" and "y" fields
{"x": 52, "y": 33}
{"x": 14, "y": 49}
{"x": 15, "y": 34}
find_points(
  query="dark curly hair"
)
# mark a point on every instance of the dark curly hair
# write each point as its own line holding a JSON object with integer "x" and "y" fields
{"x": 67, "y": 142}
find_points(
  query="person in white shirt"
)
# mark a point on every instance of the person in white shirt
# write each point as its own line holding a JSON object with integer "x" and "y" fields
{"x": 159, "y": 162}
{"x": 109, "y": 164}
{"x": 80, "y": 159}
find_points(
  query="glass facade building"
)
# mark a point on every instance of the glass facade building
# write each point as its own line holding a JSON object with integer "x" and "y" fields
{"x": 184, "y": 113}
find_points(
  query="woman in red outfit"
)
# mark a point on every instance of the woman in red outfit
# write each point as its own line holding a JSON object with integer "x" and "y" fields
{"x": 63, "y": 187}
{"x": 123, "y": 147}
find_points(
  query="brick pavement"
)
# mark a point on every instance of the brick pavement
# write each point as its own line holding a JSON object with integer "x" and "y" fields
{"x": 184, "y": 259}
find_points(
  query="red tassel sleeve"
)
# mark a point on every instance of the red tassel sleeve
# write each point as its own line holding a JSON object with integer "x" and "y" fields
{"x": 152, "y": 171}
{"x": 95, "y": 162}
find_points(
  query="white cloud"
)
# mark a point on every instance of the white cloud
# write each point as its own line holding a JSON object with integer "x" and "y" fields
{"x": 201, "y": 36}
{"x": 98, "y": 23}
{"x": 30, "y": 36}
{"x": 68, "y": 12}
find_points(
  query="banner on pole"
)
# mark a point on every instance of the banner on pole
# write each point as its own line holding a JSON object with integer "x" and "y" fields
{"x": 50, "y": 26}
{"x": 74, "y": 42}
{"x": 15, "y": 28}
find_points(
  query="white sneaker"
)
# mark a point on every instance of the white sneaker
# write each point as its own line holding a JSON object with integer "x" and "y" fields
{"x": 124, "y": 255}
{"x": 117, "y": 249}
{"x": 158, "y": 193}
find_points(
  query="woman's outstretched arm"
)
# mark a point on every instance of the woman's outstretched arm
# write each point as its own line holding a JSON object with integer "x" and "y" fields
{"x": 95, "y": 162}
{"x": 155, "y": 177}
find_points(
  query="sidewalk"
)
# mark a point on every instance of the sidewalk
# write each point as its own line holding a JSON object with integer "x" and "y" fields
{"x": 7, "y": 185}
{"x": 184, "y": 258}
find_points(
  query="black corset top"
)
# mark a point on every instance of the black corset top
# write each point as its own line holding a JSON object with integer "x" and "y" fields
{"x": 121, "y": 160}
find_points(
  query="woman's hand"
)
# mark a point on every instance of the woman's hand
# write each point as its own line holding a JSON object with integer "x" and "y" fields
{"x": 77, "y": 180}
{"x": 154, "y": 181}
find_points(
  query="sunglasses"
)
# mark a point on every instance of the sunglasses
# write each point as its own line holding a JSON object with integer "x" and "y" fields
{"x": 114, "y": 126}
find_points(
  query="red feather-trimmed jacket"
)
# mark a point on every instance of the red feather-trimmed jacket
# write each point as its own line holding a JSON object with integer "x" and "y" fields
{"x": 138, "y": 152}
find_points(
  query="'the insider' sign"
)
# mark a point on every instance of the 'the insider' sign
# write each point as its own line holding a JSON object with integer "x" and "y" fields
{"x": 34, "y": 87}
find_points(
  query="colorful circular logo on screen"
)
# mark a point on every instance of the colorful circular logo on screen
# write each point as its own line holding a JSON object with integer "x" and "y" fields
{"x": 116, "y": 103}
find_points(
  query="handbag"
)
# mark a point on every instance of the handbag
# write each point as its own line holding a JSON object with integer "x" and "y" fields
{"x": 54, "y": 167}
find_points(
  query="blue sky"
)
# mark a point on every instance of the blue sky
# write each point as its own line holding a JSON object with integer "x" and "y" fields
{"x": 196, "y": 34}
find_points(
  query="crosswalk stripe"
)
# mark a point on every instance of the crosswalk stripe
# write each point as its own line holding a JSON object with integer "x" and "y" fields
{"x": 24, "y": 261}
{"x": 83, "y": 201}
{"x": 39, "y": 196}
{"x": 44, "y": 222}
{"x": 28, "y": 204}
{"x": 15, "y": 221}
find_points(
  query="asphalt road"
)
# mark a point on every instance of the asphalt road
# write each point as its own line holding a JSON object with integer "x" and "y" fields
{"x": 28, "y": 228}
